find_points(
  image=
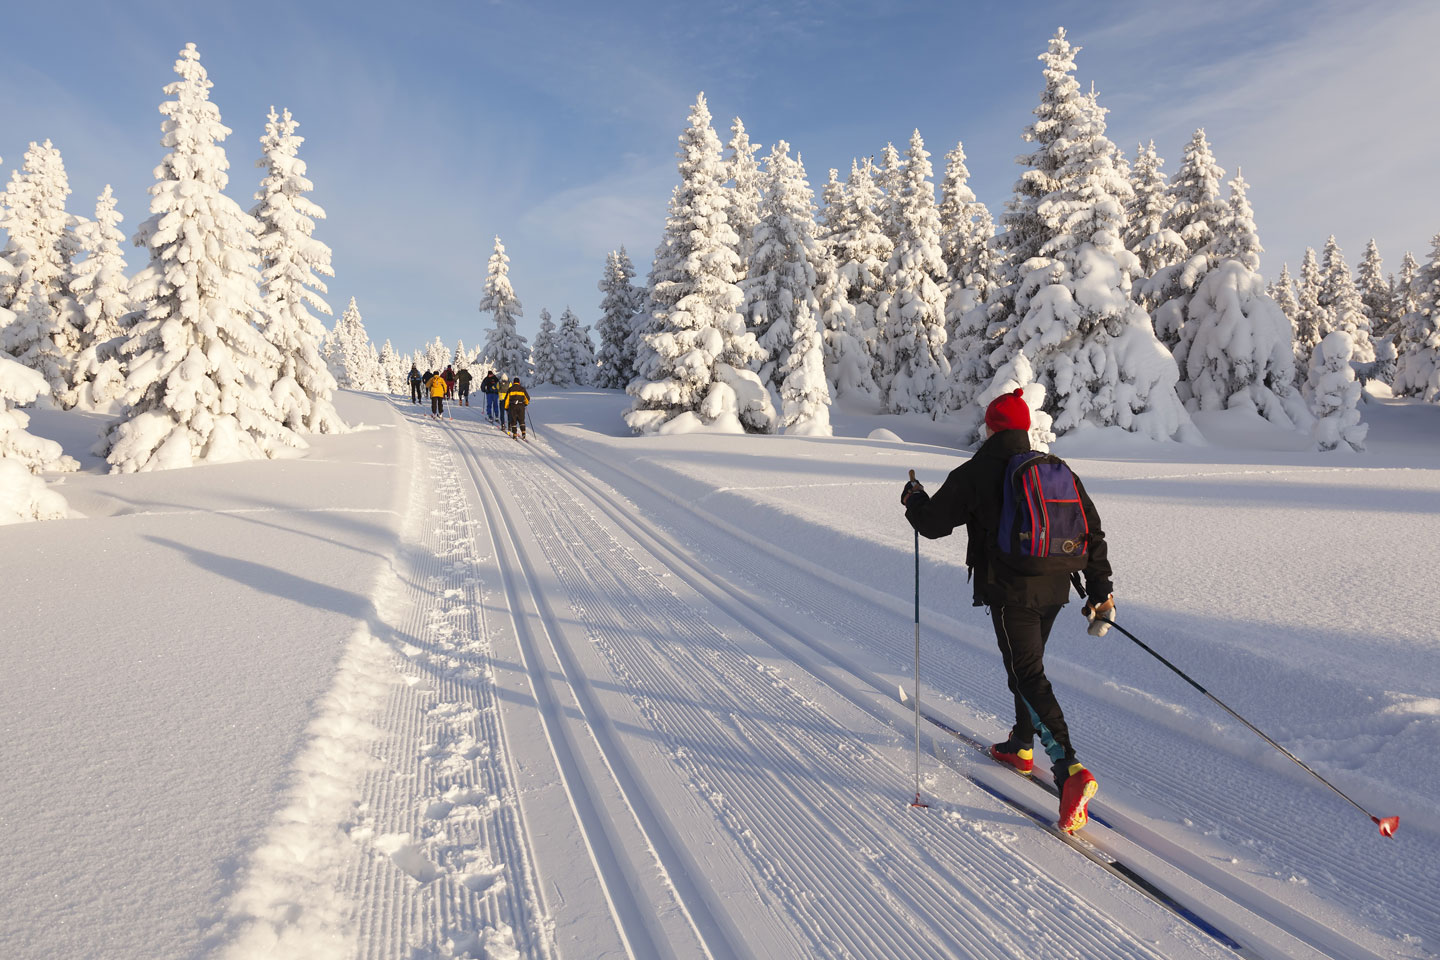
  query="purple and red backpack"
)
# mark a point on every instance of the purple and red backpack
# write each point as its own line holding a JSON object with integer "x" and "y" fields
{"x": 1043, "y": 528}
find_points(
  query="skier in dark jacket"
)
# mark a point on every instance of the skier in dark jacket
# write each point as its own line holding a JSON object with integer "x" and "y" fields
{"x": 1022, "y": 608}
{"x": 415, "y": 383}
{"x": 462, "y": 383}
{"x": 490, "y": 386}
{"x": 449, "y": 376}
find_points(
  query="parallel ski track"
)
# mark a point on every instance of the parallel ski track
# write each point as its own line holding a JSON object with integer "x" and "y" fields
{"x": 441, "y": 775}
{"x": 617, "y": 870}
{"x": 809, "y": 870}
{"x": 1209, "y": 794}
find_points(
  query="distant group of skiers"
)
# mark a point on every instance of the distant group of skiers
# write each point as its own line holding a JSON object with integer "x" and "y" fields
{"x": 505, "y": 400}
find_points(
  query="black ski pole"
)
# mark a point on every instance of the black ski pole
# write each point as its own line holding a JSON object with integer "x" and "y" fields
{"x": 917, "y": 802}
{"x": 1387, "y": 825}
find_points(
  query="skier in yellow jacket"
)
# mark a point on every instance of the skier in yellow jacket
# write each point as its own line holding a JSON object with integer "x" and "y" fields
{"x": 437, "y": 396}
{"x": 515, "y": 399}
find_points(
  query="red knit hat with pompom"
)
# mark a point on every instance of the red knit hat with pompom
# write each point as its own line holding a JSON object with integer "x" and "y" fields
{"x": 1008, "y": 412}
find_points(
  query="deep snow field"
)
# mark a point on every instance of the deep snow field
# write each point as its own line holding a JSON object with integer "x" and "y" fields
{"x": 429, "y": 692}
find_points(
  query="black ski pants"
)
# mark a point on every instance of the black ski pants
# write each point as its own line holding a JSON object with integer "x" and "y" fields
{"x": 414, "y": 391}
{"x": 517, "y": 418}
{"x": 1022, "y": 633}
{"x": 437, "y": 405}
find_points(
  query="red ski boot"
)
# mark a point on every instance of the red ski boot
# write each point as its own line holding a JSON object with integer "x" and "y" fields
{"x": 1075, "y": 793}
{"x": 1021, "y": 758}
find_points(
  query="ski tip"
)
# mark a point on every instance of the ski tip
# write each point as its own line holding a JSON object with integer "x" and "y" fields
{"x": 912, "y": 474}
{"x": 1388, "y": 825}
{"x": 903, "y": 695}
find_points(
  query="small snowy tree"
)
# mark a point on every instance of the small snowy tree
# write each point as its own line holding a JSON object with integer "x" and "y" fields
{"x": 1312, "y": 321}
{"x": 292, "y": 262}
{"x": 781, "y": 283}
{"x": 692, "y": 372}
{"x": 742, "y": 171}
{"x": 40, "y": 251}
{"x": 436, "y": 356}
{"x": 966, "y": 232}
{"x": 915, "y": 372}
{"x": 1339, "y": 296}
{"x": 505, "y": 350}
{"x": 847, "y": 364}
{"x": 1404, "y": 296}
{"x": 619, "y": 307}
{"x": 1418, "y": 370}
{"x": 861, "y": 250}
{"x": 1195, "y": 213}
{"x": 23, "y": 495}
{"x": 1238, "y": 349}
{"x": 102, "y": 295}
{"x": 1282, "y": 291}
{"x": 574, "y": 352}
{"x": 1075, "y": 330}
{"x": 353, "y": 348}
{"x": 460, "y": 360}
{"x": 199, "y": 371}
{"x": 1156, "y": 245}
{"x": 392, "y": 369}
{"x": 1375, "y": 291}
{"x": 1334, "y": 394}
{"x": 542, "y": 357}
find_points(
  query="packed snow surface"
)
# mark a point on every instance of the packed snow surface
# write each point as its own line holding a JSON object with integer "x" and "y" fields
{"x": 431, "y": 692}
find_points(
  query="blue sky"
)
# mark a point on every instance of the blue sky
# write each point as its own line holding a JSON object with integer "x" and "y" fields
{"x": 432, "y": 127}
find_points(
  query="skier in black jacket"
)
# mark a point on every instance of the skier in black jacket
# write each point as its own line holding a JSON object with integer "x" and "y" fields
{"x": 1022, "y": 608}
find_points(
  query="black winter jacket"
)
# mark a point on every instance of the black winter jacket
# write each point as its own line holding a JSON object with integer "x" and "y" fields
{"x": 972, "y": 495}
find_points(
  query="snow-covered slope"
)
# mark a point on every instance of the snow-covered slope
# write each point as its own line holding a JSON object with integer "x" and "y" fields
{"x": 432, "y": 692}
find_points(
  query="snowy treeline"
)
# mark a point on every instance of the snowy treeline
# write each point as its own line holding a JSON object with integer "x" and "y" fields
{"x": 1115, "y": 295}
{"x": 208, "y": 353}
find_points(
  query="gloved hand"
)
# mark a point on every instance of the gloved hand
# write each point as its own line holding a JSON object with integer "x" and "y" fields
{"x": 1098, "y": 627}
{"x": 910, "y": 487}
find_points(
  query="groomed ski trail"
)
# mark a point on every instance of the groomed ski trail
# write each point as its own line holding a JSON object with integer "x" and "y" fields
{"x": 1203, "y": 789}
{"x": 718, "y": 748}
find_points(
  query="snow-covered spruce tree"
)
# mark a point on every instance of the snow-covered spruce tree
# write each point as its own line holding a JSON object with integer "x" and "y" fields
{"x": 352, "y": 345}
{"x": 1375, "y": 291}
{"x": 742, "y": 171}
{"x": 848, "y": 366}
{"x": 23, "y": 495}
{"x": 102, "y": 296}
{"x": 574, "y": 352}
{"x": 1156, "y": 245}
{"x": 1404, "y": 297}
{"x": 436, "y": 356}
{"x": 915, "y": 373}
{"x": 781, "y": 282}
{"x": 1282, "y": 291}
{"x": 1075, "y": 331}
{"x": 888, "y": 179}
{"x": 40, "y": 250}
{"x": 1418, "y": 368}
{"x": 1236, "y": 345}
{"x": 199, "y": 371}
{"x": 505, "y": 350}
{"x": 1339, "y": 296}
{"x": 966, "y": 232}
{"x": 1196, "y": 210}
{"x": 1334, "y": 394}
{"x": 861, "y": 250}
{"x": 692, "y": 371}
{"x": 619, "y": 306}
{"x": 542, "y": 355}
{"x": 392, "y": 371}
{"x": 292, "y": 262}
{"x": 460, "y": 359}
{"x": 1312, "y": 321}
